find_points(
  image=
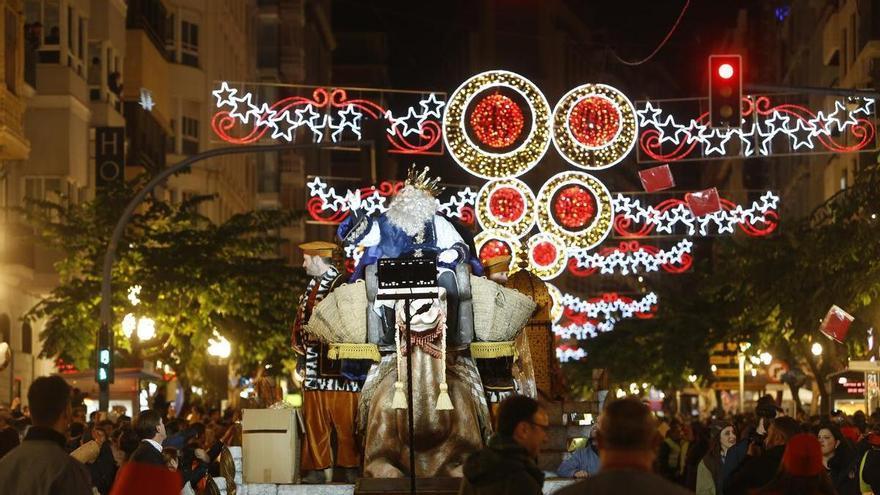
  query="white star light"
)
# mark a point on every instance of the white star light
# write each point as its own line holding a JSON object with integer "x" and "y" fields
{"x": 146, "y": 101}
{"x": 667, "y": 134}
{"x": 644, "y": 119}
{"x": 866, "y": 107}
{"x": 224, "y": 95}
{"x": 265, "y": 116}
{"x": 249, "y": 108}
{"x": 351, "y": 119}
{"x": 628, "y": 262}
{"x": 408, "y": 129}
{"x": 608, "y": 308}
{"x": 432, "y": 106}
{"x": 806, "y": 141}
{"x": 284, "y": 131}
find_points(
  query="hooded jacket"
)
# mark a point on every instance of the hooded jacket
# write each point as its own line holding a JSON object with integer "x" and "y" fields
{"x": 503, "y": 467}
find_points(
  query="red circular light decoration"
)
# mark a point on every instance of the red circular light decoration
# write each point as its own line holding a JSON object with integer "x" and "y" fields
{"x": 574, "y": 207}
{"x": 497, "y": 121}
{"x": 507, "y": 204}
{"x": 494, "y": 248}
{"x": 594, "y": 121}
{"x": 544, "y": 253}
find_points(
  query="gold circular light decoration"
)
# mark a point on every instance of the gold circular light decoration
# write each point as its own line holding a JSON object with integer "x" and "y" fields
{"x": 547, "y": 255}
{"x": 490, "y": 162}
{"x": 491, "y": 243}
{"x": 507, "y": 205}
{"x": 576, "y": 207}
{"x": 556, "y": 297}
{"x": 594, "y": 126}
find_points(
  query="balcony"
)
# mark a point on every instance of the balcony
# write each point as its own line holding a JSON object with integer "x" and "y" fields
{"x": 13, "y": 143}
{"x": 865, "y": 69}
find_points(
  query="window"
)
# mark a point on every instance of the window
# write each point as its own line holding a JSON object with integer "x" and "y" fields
{"x": 189, "y": 131}
{"x": 189, "y": 43}
{"x": 11, "y": 62}
{"x": 170, "y": 46}
{"x": 27, "y": 338}
{"x": 52, "y": 22}
{"x": 5, "y": 329}
{"x": 70, "y": 18}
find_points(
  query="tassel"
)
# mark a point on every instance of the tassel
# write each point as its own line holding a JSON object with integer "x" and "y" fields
{"x": 444, "y": 403}
{"x": 399, "y": 401}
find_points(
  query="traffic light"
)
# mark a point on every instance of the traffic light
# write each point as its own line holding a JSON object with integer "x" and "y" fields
{"x": 104, "y": 366}
{"x": 725, "y": 91}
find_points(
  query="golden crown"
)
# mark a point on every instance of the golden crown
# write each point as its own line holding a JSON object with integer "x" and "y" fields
{"x": 421, "y": 181}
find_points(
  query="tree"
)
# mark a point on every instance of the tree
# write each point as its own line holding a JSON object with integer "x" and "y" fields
{"x": 196, "y": 278}
{"x": 772, "y": 292}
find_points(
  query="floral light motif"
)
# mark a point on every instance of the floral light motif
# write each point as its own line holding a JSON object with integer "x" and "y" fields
{"x": 497, "y": 121}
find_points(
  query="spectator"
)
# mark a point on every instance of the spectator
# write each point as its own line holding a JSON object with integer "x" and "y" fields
{"x": 710, "y": 474}
{"x": 801, "y": 471}
{"x": 838, "y": 458}
{"x": 673, "y": 452}
{"x": 8, "y": 434}
{"x": 75, "y": 434}
{"x": 40, "y": 465}
{"x": 582, "y": 462}
{"x": 507, "y": 464}
{"x": 699, "y": 447}
{"x": 627, "y": 441}
{"x": 759, "y": 467}
{"x": 869, "y": 464}
{"x": 151, "y": 431}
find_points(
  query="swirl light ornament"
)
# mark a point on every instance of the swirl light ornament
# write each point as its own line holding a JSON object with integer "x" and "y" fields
{"x": 496, "y": 125}
{"x": 576, "y": 207}
{"x": 508, "y": 205}
{"x": 594, "y": 126}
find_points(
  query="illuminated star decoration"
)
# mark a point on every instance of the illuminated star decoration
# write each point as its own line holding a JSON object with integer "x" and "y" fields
{"x": 724, "y": 221}
{"x": 804, "y": 129}
{"x": 351, "y": 200}
{"x": 626, "y": 262}
{"x": 609, "y": 308}
{"x": 322, "y": 123}
{"x": 146, "y": 100}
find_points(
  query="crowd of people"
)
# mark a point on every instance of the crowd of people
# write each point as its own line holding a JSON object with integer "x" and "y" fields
{"x": 50, "y": 447}
{"x": 765, "y": 452}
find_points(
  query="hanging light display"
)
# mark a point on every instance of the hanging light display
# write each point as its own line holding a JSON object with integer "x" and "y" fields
{"x": 496, "y": 125}
{"x": 546, "y": 255}
{"x": 594, "y": 126}
{"x": 577, "y": 208}
{"x": 508, "y": 205}
{"x": 492, "y": 243}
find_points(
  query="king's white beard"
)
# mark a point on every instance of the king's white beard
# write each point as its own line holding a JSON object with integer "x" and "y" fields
{"x": 411, "y": 209}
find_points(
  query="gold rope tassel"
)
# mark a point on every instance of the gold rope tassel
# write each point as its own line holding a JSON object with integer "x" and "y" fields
{"x": 399, "y": 400}
{"x": 444, "y": 402}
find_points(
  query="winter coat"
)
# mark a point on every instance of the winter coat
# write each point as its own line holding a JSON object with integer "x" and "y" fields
{"x": 503, "y": 467}
{"x": 754, "y": 472}
{"x": 41, "y": 466}
{"x": 705, "y": 481}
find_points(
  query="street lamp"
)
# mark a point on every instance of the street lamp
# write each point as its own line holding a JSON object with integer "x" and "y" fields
{"x": 218, "y": 346}
{"x": 766, "y": 358}
{"x": 692, "y": 378}
{"x": 816, "y": 349}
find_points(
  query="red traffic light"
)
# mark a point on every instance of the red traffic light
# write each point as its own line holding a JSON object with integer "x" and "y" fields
{"x": 725, "y": 90}
{"x": 725, "y": 71}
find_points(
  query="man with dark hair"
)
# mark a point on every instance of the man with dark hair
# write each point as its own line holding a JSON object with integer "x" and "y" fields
{"x": 40, "y": 465}
{"x": 761, "y": 464}
{"x": 628, "y": 440}
{"x": 507, "y": 464}
{"x": 151, "y": 431}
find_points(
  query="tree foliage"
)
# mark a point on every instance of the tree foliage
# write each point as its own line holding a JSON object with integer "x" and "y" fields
{"x": 196, "y": 278}
{"x": 772, "y": 292}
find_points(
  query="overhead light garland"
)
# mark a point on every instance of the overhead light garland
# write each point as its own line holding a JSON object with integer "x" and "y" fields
{"x": 326, "y": 205}
{"x": 329, "y": 115}
{"x": 577, "y": 208}
{"x": 496, "y": 125}
{"x": 610, "y": 304}
{"x": 631, "y": 257}
{"x": 769, "y": 128}
{"x": 584, "y": 331}
{"x": 594, "y": 126}
{"x": 634, "y": 220}
{"x": 506, "y": 204}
